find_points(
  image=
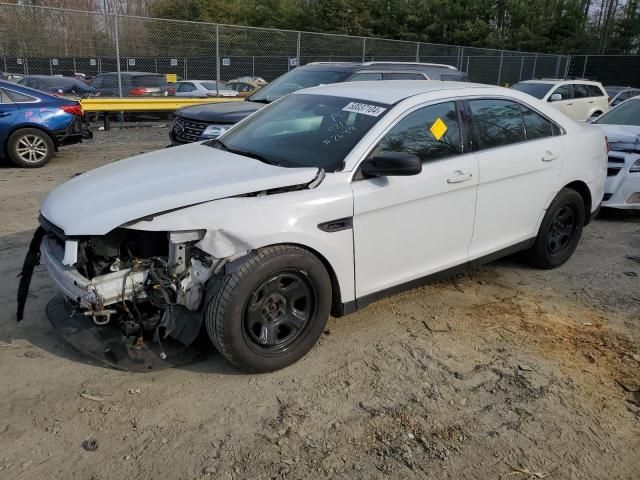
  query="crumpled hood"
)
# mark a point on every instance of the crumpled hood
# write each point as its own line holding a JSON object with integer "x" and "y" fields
{"x": 622, "y": 137}
{"x": 100, "y": 200}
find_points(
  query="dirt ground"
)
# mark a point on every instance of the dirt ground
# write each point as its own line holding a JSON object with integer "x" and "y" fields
{"x": 506, "y": 372}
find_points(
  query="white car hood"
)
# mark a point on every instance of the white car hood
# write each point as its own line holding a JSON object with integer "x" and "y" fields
{"x": 100, "y": 200}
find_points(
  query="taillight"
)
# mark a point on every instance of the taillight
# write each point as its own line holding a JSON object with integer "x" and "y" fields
{"x": 72, "y": 109}
{"x": 606, "y": 142}
{"x": 138, "y": 91}
{"x": 609, "y": 100}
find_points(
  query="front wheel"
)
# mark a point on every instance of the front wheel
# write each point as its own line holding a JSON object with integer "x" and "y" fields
{"x": 30, "y": 148}
{"x": 271, "y": 310}
{"x": 560, "y": 231}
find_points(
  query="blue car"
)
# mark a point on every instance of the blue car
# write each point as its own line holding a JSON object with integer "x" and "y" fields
{"x": 33, "y": 124}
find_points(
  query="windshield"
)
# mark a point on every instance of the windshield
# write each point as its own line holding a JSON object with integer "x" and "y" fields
{"x": 296, "y": 80}
{"x": 627, "y": 113}
{"x": 538, "y": 90}
{"x": 304, "y": 131}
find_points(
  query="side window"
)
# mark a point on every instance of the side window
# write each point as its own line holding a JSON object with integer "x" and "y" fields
{"x": 581, "y": 90}
{"x": 4, "y": 98}
{"x": 430, "y": 133}
{"x": 20, "y": 97}
{"x": 595, "y": 91}
{"x": 359, "y": 77}
{"x": 186, "y": 87}
{"x": 565, "y": 90}
{"x": 403, "y": 76}
{"x": 496, "y": 123}
{"x": 535, "y": 125}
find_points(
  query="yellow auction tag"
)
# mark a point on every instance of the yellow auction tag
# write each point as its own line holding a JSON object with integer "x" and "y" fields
{"x": 172, "y": 77}
{"x": 438, "y": 129}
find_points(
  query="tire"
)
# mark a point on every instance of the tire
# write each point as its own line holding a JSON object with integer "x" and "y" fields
{"x": 271, "y": 311}
{"x": 30, "y": 148}
{"x": 560, "y": 231}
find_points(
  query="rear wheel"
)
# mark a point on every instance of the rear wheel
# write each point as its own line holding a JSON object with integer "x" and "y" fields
{"x": 30, "y": 148}
{"x": 272, "y": 310}
{"x": 560, "y": 231}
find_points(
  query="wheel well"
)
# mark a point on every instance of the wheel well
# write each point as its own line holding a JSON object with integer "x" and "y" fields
{"x": 336, "y": 296}
{"x": 35, "y": 127}
{"x": 585, "y": 193}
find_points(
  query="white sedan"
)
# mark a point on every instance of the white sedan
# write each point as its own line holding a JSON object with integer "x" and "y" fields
{"x": 622, "y": 128}
{"x": 202, "y": 89}
{"x": 322, "y": 202}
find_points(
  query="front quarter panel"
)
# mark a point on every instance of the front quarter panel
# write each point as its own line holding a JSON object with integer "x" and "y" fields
{"x": 238, "y": 224}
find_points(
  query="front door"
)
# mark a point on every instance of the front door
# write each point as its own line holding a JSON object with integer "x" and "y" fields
{"x": 409, "y": 227}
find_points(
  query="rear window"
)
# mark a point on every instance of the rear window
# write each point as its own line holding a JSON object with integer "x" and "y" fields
{"x": 627, "y": 113}
{"x": 148, "y": 81}
{"x": 60, "y": 82}
{"x": 538, "y": 90}
{"x": 595, "y": 91}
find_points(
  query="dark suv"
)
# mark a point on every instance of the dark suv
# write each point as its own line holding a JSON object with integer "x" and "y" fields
{"x": 134, "y": 84}
{"x": 207, "y": 121}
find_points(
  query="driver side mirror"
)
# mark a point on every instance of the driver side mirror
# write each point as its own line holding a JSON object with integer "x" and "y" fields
{"x": 391, "y": 164}
{"x": 556, "y": 97}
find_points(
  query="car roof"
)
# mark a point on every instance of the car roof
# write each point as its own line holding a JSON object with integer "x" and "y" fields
{"x": 359, "y": 66}
{"x": 555, "y": 81}
{"x": 132, "y": 74}
{"x": 394, "y": 91}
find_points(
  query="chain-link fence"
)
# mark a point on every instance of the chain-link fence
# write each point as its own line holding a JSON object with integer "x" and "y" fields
{"x": 620, "y": 70}
{"x": 50, "y": 41}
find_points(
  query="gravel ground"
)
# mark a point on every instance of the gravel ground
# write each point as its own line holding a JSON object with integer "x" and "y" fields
{"x": 505, "y": 372}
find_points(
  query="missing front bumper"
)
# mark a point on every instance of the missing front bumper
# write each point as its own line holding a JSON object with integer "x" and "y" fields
{"x": 108, "y": 346}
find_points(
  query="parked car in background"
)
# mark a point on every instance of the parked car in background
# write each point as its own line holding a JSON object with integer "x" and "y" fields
{"x": 11, "y": 77}
{"x": 247, "y": 78}
{"x": 578, "y": 99}
{"x": 621, "y": 125}
{"x": 34, "y": 124}
{"x": 323, "y": 202}
{"x": 57, "y": 85}
{"x": 618, "y": 95}
{"x": 134, "y": 84}
{"x": 200, "y": 122}
{"x": 245, "y": 88}
{"x": 202, "y": 89}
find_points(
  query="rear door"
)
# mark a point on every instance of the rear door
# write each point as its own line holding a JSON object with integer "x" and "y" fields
{"x": 584, "y": 101}
{"x": 519, "y": 157}
{"x": 186, "y": 89}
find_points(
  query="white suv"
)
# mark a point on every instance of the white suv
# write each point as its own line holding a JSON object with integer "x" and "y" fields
{"x": 322, "y": 202}
{"x": 578, "y": 99}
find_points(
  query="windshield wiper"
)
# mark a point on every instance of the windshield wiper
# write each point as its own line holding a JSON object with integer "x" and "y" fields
{"x": 214, "y": 142}
{"x": 256, "y": 156}
{"x": 262, "y": 100}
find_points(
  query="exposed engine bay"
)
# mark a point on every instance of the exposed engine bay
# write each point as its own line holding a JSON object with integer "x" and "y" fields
{"x": 145, "y": 287}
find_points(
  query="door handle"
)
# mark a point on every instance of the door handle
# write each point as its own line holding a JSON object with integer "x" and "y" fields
{"x": 5, "y": 114}
{"x": 549, "y": 157}
{"x": 459, "y": 177}
{"x": 570, "y": 103}
{"x": 590, "y": 101}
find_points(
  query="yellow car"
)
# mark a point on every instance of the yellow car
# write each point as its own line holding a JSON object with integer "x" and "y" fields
{"x": 244, "y": 87}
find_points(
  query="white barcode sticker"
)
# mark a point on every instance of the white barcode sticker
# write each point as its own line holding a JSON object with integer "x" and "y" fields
{"x": 364, "y": 109}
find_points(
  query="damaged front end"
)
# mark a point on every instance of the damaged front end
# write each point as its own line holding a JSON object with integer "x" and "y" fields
{"x": 132, "y": 299}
